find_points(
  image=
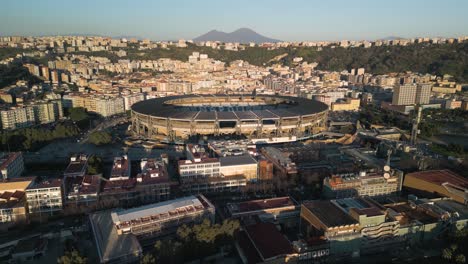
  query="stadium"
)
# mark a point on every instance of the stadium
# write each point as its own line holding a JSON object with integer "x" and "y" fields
{"x": 260, "y": 117}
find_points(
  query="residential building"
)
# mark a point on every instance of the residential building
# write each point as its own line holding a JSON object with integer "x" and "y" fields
{"x": 18, "y": 117}
{"x": 284, "y": 210}
{"x": 45, "y": 198}
{"x": 11, "y": 165}
{"x": 409, "y": 94}
{"x": 81, "y": 191}
{"x": 372, "y": 184}
{"x": 77, "y": 167}
{"x": 120, "y": 169}
{"x": 164, "y": 217}
{"x": 13, "y": 203}
{"x": 244, "y": 165}
{"x": 351, "y": 104}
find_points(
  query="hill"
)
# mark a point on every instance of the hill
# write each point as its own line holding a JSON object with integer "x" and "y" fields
{"x": 242, "y": 35}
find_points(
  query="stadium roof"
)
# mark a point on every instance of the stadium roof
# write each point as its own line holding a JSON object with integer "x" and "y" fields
{"x": 294, "y": 107}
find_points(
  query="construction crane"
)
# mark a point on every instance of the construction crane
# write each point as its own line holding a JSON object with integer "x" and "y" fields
{"x": 416, "y": 121}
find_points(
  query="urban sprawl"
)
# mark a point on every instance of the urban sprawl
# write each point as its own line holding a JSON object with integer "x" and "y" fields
{"x": 134, "y": 159}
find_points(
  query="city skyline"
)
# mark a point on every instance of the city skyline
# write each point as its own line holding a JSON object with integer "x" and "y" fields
{"x": 311, "y": 20}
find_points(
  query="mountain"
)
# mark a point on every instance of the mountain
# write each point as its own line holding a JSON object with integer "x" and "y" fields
{"x": 242, "y": 35}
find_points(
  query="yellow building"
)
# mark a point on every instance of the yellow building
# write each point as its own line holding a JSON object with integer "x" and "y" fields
{"x": 13, "y": 204}
{"x": 239, "y": 165}
{"x": 351, "y": 104}
{"x": 439, "y": 183}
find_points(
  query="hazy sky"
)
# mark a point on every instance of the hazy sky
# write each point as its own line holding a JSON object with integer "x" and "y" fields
{"x": 281, "y": 19}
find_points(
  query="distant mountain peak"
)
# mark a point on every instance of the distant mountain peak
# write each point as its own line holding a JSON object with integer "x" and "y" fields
{"x": 241, "y": 35}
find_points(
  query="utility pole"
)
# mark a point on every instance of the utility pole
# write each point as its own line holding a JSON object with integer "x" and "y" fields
{"x": 416, "y": 121}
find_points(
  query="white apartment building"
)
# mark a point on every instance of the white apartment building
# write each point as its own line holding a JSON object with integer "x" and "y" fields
{"x": 109, "y": 106}
{"x": 130, "y": 99}
{"x": 39, "y": 113}
{"x": 15, "y": 118}
{"x": 45, "y": 197}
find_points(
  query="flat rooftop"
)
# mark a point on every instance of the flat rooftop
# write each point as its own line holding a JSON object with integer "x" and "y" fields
{"x": 329, "y": 214}
{"x": 268, "y": 241}
{"x": 156, "y": 209}
{"x": 360, "y": 205}
{"x": 110, "y": 245}
{"x": 410, "y": 214}
{"x": 262, "y": 204}
{"x": 237, "y": 160}
{"x": 440, "y": 177}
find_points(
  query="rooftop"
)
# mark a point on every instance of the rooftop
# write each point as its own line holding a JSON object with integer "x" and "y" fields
{"x": 268, "y": 241}
{"x": 12, "y": 184}
{"x": 207, "y": 108}
{"x": 120, "y": 168}
{"x": 237, "y": 160}
{"x": 263, "y": 204}
{"x": 440, "y": 177}
{"x": 77, "y": 164}
{"x": 192, "y": 202}
{"x": 110, "y": 245}
{"x": 329, "y": 214}
{"x": 8, "y": 158}
{"x": 52, "y": 183}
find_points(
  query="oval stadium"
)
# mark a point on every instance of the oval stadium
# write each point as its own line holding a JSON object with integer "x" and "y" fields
{"x": 256, "y": 117}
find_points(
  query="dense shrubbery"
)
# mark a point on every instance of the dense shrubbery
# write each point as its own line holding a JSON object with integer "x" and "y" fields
{"x": 33, "y": 138}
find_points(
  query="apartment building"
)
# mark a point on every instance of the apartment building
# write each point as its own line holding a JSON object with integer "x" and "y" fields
{"x": 45, "y": 198}
{"x": 410, "y": 93}
{"x": 162, "y": 218}
{"x": 130, "y": 99}
{"x": 11, "y": 165}
{"x": 77, "y": 166}
{"x": 13, "y": 203}
{"x": 350, "y": 104}
{"x": 103, "y": 105}
{"x": 120, "y": 169}
{"x": 372, "y": 184}
{"x": 17, "y": 117}
{"x": 29, "y": 115}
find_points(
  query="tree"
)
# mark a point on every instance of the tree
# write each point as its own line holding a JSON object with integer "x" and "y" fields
{"x": 72, "y": 257}
{"x": 100, "y": 138}
{"x": 94, "y": 165}
{"x": 78, "y": 114}
{"x": 460, "y": 259}
{"x": 447, "y": 253}
{"x": 148, "y": 259}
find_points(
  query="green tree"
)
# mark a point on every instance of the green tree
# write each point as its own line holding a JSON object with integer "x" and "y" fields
{"x": 148, "y": 259}
{"x": 460, "y": 259}
{"x": 72, "y": 257}
{"x": 447, "y": 253}
{"x": 94, "y": 165}
{"x": 100, "y": 138}
{"x": 78, "y": 114}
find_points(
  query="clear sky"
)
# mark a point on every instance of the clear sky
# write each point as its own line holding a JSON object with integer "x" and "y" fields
{"x": 291, "y": 20}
